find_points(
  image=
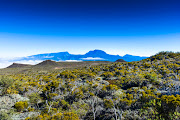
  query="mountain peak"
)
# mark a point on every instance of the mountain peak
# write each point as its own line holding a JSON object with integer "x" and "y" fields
{"x": 66, "y": 52}
{"x": 120, "y": 60}
{"x": 127, "y": 55}
{"x": 48, "y": 62}
{"x": 96, "y": 52}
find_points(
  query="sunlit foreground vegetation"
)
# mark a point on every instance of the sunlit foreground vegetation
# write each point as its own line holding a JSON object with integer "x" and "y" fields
{"x": 143, "y": 90}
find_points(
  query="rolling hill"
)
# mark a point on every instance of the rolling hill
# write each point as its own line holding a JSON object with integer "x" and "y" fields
{"x": 48, "y": 65}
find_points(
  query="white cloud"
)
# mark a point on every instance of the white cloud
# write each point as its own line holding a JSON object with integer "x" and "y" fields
{"x": 48, "y": 56}
{"x": 5, "y": 62}
{"x": 31, "y": 62}
{"x": 93, "y": 58}
{"x": 71, "y": 61}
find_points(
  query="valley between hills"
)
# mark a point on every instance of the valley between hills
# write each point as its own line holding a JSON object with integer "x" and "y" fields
{"x": 148, "y": 89}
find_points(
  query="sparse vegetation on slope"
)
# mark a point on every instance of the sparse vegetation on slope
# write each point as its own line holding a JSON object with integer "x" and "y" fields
{"x": 143, "y": 90}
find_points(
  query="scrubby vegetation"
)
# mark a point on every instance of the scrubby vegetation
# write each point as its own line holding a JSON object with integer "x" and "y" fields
{"x": 143, "y": 90}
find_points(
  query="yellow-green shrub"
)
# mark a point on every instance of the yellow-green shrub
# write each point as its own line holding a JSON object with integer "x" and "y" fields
{"x": 21, "y": 105}
{"x": 70, "y": 116}
{"x": 57, "y": 116}
{"x": 108, "y": 103}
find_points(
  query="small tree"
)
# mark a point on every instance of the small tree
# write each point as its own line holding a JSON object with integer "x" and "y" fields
{"x": 93, "y": 103}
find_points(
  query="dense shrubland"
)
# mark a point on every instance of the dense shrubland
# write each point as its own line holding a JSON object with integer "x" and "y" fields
{"x": 143, "y": 90}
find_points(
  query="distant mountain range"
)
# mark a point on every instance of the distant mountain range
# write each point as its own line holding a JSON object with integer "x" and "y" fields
{"x": 94, "y": 55}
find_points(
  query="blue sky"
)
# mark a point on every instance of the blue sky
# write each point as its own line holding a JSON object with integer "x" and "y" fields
{"x": 138, "y": 27}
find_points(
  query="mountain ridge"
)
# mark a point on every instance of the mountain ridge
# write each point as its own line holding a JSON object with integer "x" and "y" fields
{"x": 18, "y": 65}
{"x": 93, "y": 55}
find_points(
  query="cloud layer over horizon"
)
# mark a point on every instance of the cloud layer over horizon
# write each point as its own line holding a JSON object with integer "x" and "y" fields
{"x": 7, "y": 62}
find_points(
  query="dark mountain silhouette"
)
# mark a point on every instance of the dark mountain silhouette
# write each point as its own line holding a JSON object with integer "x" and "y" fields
{"x": 18, "y": 65}
{"x": 47, "y": 63}
{"x": 120, "y": 60}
